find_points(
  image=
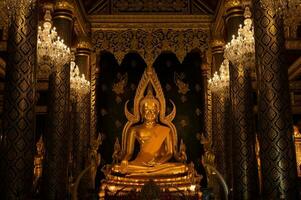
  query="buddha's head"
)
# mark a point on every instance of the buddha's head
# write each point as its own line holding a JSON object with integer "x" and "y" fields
{"x": 149, "y": 107}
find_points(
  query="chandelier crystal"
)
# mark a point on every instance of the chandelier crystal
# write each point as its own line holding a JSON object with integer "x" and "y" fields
{"x": 78, "y": 84}
{"x": 241, "y": 49}
{"x": 52, "y": 51}
{"x": 220, "y": 81}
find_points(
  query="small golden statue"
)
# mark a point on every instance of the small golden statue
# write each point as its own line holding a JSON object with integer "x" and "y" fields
{"x": 157, "y": 137}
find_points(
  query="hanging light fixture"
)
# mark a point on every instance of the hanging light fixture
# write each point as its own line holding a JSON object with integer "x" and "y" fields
{"x": 52, "y": 52}
{"x": 78, "y": 84}
{"x": 213, "y": 83}
{"x": 241, "y": 49}
{"x": 84, "y": 86}
{"x": 220, "y": 82}
{"x": 224, "y": 74}
{"x": 74, "y": 80}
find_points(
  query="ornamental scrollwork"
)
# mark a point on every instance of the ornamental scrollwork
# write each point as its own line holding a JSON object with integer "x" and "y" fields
{"x": 150, "y": 43}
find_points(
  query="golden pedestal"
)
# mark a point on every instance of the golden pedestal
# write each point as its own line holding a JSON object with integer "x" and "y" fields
{"x": 118, "y": 184}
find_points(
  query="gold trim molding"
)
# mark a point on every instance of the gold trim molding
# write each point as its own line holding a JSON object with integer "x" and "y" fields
{"x": 64, "y": 5}
{"x": 83, "y": 45}
{"x": 217, "y": 46}
{"x": 229, "y": 4}
{"x": 217, "y": 43}
{"x": 233, "y": 8}
{"x": 150, "y": 21}
{"x": 293, "y": 44}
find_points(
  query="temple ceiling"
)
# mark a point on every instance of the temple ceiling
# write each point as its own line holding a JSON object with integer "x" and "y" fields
{"x": 169, "y": 7}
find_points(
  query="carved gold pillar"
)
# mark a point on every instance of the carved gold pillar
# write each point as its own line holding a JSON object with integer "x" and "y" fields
{"x": 207, "y": 101}
{"x": 55, "y": 175}
{"x": 83, "y": 61}
{"x": 93, "y": 132}
{"x": 76, "y": 138}
{"x": 274, "y": 113}
{"x": 19, "y": 115}
{"x": 95, "y": 138}
{"x": 220, "y": 114}
{"x": 245, "y": 177}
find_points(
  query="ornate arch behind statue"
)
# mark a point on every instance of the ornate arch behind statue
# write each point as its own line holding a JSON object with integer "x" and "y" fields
{"x": 181, "y": 82}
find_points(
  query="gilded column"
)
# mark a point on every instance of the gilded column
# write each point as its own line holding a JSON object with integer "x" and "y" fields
{"x": 55, "y": 177}
{"x": 93, "y": 132}
{"x": 19, "y": 114}
{"x": 245, "y": 177}
{"x": 220, "y": 104}
{"x": 274, "y": 113}
{"x": 207, "y": 115}
{"x": 82, "y": 59}
{"x": 77, "y": 137}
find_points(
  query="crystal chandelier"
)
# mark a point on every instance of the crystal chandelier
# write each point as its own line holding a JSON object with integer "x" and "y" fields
{"x": 74, "y": 79}
{"x": 78, "y": 84}
{"x": 241, "y": 49}
{"x": 224, "y": 74}
{"x": 52, "y": 51}
{"x": 220, "y": 81}
{"x": 213, "y": 83}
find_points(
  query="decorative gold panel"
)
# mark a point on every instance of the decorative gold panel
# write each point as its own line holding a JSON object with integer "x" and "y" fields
{"x": 167, "y": 6}
{"x": 149, "y": 43}
{"x": 120, "y": 7}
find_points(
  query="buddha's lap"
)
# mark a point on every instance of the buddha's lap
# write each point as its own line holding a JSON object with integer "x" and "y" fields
{"x": 165, "y": 168}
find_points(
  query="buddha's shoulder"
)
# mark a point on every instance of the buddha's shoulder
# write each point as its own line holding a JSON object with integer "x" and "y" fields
{"x": 162, "y": 127}
{"x": 136, "y": 127}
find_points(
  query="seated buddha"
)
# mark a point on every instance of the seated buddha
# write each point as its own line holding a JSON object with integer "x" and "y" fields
{"x": 158, "y": 142}
{"x": 156, "y": 147}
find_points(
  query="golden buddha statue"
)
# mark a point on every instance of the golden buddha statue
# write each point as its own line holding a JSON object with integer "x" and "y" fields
{"x": 155, "y": 141}
{"x": 158, "y": 143}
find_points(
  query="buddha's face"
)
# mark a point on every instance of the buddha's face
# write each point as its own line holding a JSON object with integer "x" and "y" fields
{"x": 150, "y": 111}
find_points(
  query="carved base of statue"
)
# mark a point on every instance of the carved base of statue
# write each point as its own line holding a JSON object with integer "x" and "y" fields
{"x": 158, "y": 141}
{"x": 183, "y": 182}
